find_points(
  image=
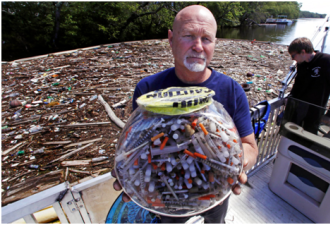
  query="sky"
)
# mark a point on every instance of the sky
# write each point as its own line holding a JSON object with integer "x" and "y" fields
{"x": 317, "y": 6}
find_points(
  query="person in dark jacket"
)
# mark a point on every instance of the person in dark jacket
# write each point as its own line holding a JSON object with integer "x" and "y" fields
{"x": 312, "y": 83}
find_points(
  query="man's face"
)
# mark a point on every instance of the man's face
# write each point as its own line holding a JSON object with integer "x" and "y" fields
{"x": 193, "y": 42}
{"x": 298, "y": 57}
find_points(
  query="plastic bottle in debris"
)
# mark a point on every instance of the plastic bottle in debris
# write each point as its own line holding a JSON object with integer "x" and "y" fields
{"x": 17, "y": 114}
{"x": 22, "y": 152}
{"x": 99, "y": 159}
{"x": 34, "y": 166}
{"x": 39, "y": 151}
{"x": 18, "y": 137}
{"x": 93, "y": 98}
{"x": 6, "y": 129}
{"x": 13, "y": 95}
{"x": 35, "y": 129}
{"x": 11, "y": 133}
{"x": 53, "y": 103}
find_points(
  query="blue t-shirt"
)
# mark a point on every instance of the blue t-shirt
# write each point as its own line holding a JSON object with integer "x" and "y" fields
{"x": 227, "y": 91}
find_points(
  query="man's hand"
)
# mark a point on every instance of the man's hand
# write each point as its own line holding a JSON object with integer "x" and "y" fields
{"x": 118, "y": 187}
{"x": 250, "y": 149}
{"x": 242, "y": 178}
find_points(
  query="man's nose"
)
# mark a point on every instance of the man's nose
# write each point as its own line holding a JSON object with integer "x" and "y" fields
{"x": 198, "y": 45}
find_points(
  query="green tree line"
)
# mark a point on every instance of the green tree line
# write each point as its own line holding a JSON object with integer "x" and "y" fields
{"x": 306, "y": 14}
{"x": 33, "y": 28}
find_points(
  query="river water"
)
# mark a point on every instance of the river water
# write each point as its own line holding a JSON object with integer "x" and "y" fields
{"x": 281, "y": 34}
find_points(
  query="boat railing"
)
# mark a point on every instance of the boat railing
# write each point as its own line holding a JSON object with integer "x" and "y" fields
{"x": 269, "y": 138}
{"x": 65, "y": 198}
{"x": 69, "y": 205}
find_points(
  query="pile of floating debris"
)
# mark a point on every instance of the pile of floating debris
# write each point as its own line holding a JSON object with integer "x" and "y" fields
{"x": 62, "y": 113}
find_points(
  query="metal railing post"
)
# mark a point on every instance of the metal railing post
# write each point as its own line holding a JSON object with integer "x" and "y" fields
{"x": 325, "y": 38}
{"x": 30, "y": 219}
{"x": 60, "y": 214}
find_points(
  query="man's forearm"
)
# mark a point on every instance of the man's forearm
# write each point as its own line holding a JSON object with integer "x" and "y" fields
{"x": 250, "y": 151}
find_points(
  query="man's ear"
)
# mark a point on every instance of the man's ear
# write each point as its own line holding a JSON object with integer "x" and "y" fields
{"x": 170, "y": 37}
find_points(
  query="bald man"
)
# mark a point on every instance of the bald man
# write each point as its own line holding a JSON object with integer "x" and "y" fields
{"x": 193, "y": 41}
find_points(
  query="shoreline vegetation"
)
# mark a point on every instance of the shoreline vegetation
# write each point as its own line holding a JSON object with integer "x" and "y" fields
{"x": 37, "y": 28}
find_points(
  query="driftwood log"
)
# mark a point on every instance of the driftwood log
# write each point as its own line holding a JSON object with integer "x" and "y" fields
{"x": 120, "y": 103}
{"x": 71, "y": 153}
{"x": 84, "y": 162}
{"x": 83, "y": 124}
{"x": 83, "y": 142}
{"x": 111, "y": 114}
{"x": 57, "y": 143}
{"x": 11, "y": 149}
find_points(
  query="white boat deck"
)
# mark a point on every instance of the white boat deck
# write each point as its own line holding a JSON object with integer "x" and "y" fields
{"x": 258, "y": 204}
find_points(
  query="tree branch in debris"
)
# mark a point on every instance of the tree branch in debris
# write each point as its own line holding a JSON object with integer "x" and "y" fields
{"x": 71, "y": 153}
{"x": 11, "y": 149}
{"x": 111, "y": 114}
{"x": 84, "y": 162}
{"x": 57, "y": 143}
{"x": 83, "y": 142}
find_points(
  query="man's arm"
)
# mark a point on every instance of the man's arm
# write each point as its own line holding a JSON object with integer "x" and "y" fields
{"x": 250, "y": 149}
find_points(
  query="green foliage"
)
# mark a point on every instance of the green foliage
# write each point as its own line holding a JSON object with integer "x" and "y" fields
{"x": 260, "y": 11}
{"x": 225, "y": 13}
{"x": 30, "y": 28}
{"x": 306, "y": 14}
{"x": 27, "y": 26}
{"x": 290, "y": 9}
{"x": 253, "y": 12}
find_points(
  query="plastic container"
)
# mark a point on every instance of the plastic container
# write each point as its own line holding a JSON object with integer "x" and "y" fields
{"x": 179, "y": 153}
{"x": 13, "y": 95}
{"x": 93, "y": 98}
{"x": 35, "y": 129}
{"x": 34, "y": 166}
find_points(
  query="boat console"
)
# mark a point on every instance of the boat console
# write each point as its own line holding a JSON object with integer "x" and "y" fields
{"x": 301, "y": 172}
